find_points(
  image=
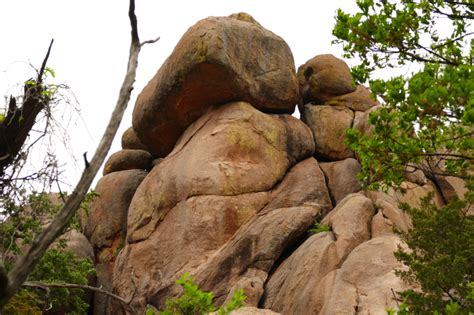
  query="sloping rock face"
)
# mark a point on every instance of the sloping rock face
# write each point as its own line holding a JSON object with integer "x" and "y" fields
{"x": 317, "y": 256}
{"x": 341, "y": 178}
{"x": 230, "y": 151}
{"x": 224, "y": 170}
{"x": 106, "y": 226}
{"x": 218, "y": 60}
{"x": 241, "y": 182}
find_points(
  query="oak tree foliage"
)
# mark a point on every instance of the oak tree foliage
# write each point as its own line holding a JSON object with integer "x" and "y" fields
{"x": 427, "y": 120}
{"x": 425, "y": 123}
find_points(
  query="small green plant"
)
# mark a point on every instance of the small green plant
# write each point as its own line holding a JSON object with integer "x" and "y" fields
{"x": 194, "y": 301}
{"x": 47, "y": 90}
{"x": 237, "y": 301}
{"x": 318, "y": 228}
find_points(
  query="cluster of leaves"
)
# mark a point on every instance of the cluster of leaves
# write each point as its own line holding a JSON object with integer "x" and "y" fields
{"x": 47, "y": 90}
{"x": 318, "y": 228}
{"x": 392, "y": 33}
{"x": 441, "y": 259}
{"x": 428, "y": 116}
{"x": 56, "y": 266}
{"x": 24, "y": 302}
{"x": 22, "y": 222}
{"x": 452, "y": 308}
{"x": 425, "y": 123}
{"x": 194, "y": 301}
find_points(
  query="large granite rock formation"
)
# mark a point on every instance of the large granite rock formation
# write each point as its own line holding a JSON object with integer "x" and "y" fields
{"x": 218, "y": 60}
{"x": 241, "y": 181}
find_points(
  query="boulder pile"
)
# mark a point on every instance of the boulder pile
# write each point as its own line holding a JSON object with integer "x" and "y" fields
{"x": 216, "y": 178}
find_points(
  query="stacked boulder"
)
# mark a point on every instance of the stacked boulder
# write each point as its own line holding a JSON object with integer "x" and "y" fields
{"x": 216, "y": 178}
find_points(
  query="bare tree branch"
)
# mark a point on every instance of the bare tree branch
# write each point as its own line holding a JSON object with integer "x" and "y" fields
{"x": 24, "y": 265}
{"x": 454, "y": 16}
{"x": 151, "y": 41}
{"x": 39, "y": 80}
{"x": 47, "y": 286}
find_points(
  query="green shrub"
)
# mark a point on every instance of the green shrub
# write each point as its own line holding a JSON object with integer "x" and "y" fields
{"x": 56, "y": 266}
{"x": 318, "y": 228}
{"x": 23, "y": 221}
{"x": 194, "y": 301}
{"x": 23, "y": 302}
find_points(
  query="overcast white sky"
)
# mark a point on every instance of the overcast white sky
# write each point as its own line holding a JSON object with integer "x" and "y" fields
{"x": 91, "y": 42}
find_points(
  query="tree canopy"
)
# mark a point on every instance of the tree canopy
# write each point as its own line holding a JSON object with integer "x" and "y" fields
{"x": 427, "y": 119}
{"x": 425, "y": 123}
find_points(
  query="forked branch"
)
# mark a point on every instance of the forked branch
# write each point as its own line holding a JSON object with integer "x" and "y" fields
{"x": 24, "y": 265}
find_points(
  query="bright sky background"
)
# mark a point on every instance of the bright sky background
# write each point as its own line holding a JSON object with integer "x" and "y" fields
{"x": 91, "y": 45}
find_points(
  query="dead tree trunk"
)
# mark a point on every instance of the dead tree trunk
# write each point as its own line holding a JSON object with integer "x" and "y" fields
{"x": 23, "y": 266}
{"x": 17, "y": 124}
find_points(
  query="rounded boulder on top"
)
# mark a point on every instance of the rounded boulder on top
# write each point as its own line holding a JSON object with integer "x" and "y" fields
{"x": 218, "y": 60}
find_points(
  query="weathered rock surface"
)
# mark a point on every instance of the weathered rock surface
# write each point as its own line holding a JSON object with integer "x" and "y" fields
{"x": 291, "y": 288}
{"x": 106, "y": 226}
{"x": 230, "y": 151}
{"x": 78, "y": 244}
{"x": 381, "y": 225}
{"x": 128, "y": 160}
{"x": 350, "y": 222}
{"x": 187, "y": 235}
{"x": 395, "y": 215}
{"x": 323, "y": 78}
{"x": 249, "y": 310}
{"x": 410, "y": 194}
{"x": 255, "y": 248}
{"x": 389, "y": 204}
{"x": 341, "y": 177}
{"x": 218, "y": 60}
{"x": 415, "y": 176}
{"x": 328, "y": 124}
{"x": 130, "y": 141}
{"x": 252, "y": 287}
{"x": 359, "y": 100}
{"x": 102, "y": 303}
{"x": 451, "y": 187}
{"x": 108, "y": 214}
{"x": 303, "y": 185}
{"x": 222, "y": 172}
{"x": 364, "y": 282}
